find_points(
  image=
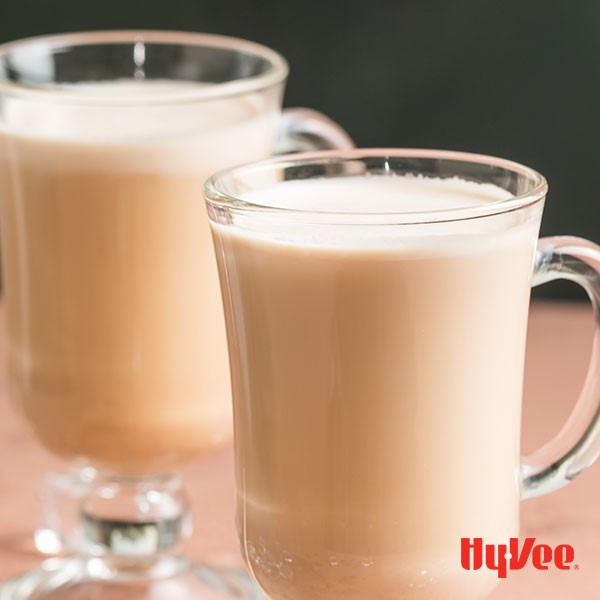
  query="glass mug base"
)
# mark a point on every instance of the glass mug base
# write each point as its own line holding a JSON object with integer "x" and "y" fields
{"x": 170, "y": 577}
{"x": 126, "y": 544}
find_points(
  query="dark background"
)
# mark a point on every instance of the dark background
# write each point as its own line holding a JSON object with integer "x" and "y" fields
{"x": 514, "y": 78}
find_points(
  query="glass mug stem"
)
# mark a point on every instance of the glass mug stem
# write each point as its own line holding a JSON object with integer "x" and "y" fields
{"x": 136, "y": 517}
{"x": 129, "y": 518}
{"x": 134, "y": 525}
{"x": 577, "y": 445}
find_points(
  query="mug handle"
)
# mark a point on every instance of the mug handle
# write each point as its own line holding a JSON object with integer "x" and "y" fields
{"x": 303, "y": 129}
{"x": 577, "y": 445}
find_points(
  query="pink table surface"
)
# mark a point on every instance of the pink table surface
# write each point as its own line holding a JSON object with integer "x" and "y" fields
{"x": 557, "y": 357}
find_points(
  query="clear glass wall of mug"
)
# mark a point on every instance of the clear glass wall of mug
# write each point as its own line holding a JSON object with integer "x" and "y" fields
{"x": 115, "y": 336}
{"x": 376, "y": 305}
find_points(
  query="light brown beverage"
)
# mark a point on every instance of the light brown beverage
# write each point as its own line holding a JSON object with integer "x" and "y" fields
{"x": 377, "y": 380}
{"x": 115, "y": 336}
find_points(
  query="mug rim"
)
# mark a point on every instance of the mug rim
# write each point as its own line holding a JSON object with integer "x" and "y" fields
{"x": 275, "y": 74}
{"x": 219, "y": 199}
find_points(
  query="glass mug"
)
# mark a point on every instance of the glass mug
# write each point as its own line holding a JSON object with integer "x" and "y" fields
{"x": 116, "y": 343}
{"x": 376, "y": 306}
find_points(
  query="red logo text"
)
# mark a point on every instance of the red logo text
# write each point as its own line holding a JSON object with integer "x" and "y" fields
{"x": 502, "y": 558}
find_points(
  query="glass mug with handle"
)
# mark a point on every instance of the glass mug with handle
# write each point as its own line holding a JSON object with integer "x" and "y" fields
{"x": 116, "y": 346}
{"x": 376, "y": 305}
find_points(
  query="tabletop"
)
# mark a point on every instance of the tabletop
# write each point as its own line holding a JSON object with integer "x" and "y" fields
{"x": 558, "y": 347}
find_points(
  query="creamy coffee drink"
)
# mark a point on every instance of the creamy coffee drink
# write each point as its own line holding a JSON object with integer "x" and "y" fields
{"x": 115, "y": 336}
{"x": 377, "y": 380}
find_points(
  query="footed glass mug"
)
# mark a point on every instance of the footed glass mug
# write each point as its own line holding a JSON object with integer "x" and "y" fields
{"x": 115, "y": 336}
{"x": 376, "y": 307}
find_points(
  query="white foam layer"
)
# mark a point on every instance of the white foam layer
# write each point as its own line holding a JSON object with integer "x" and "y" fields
{"x": 377, "y": 194}
{"x": 362, "y": 198}
{"x": 174, "y": 136}
{"x": 59, "y": 119}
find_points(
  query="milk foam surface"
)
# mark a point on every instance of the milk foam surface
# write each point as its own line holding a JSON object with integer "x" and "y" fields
{"x": 377, "y": 194}
{"x": 164, "y": 135}
{"x": 361, "y": 213}
{"x": 61, "y": 117}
